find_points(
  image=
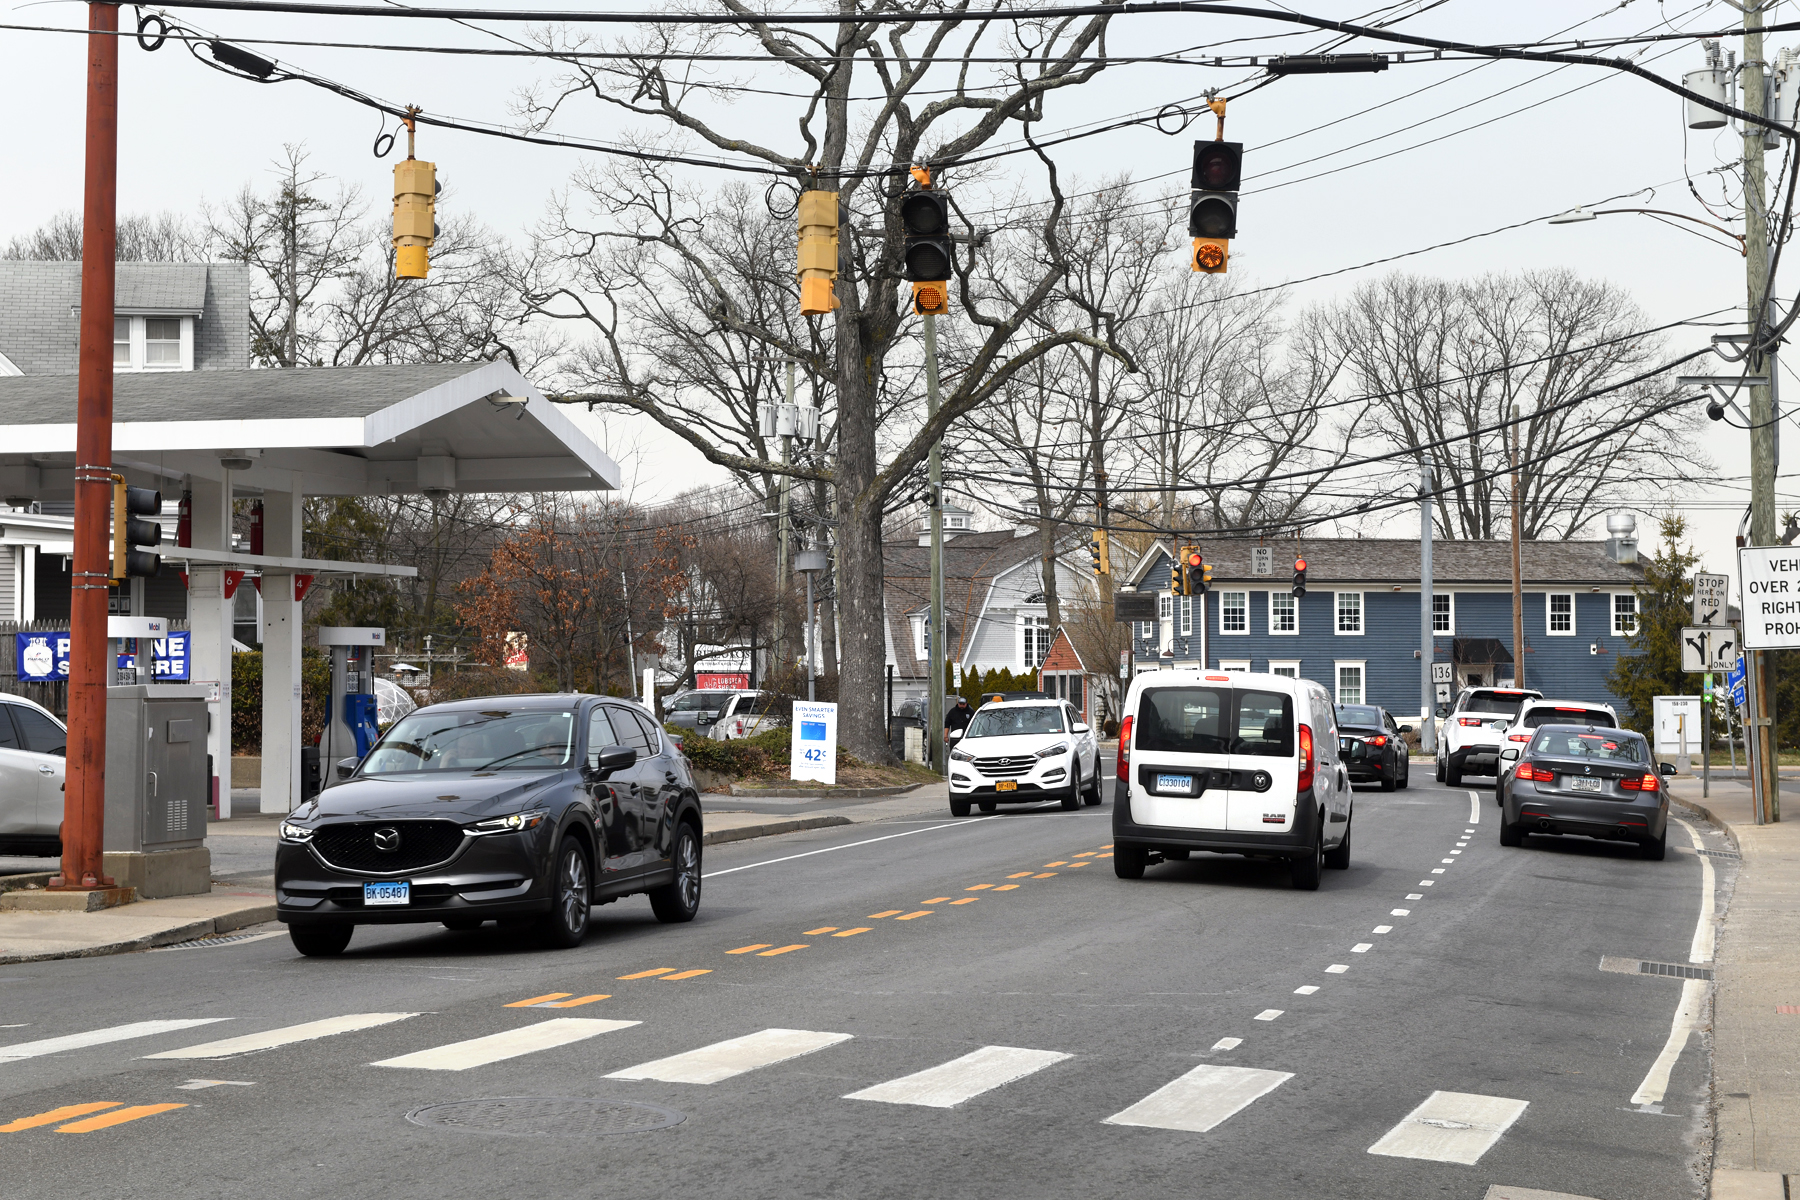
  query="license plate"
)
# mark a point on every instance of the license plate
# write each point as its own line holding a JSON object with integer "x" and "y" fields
{"x": 1006, "y": 785}
{"x": 1174, "y": 783}
{"x": 1586, "y": 785}
{"x": 387, "y": 893}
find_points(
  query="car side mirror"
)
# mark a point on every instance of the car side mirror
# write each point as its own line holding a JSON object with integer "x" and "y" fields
{"x": 1406, "y": 729}
{"x": 1509, "y": 754}
{"x": 346, "y": 767}
{"x": 1080, "y": 728}
{"x": 956, "y": 735}
{"x": 1665, "y": 769}
{"x": 613, "y": 758}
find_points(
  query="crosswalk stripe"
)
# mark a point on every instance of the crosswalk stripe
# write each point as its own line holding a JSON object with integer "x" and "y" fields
{"x": 1456, "y": 1127}
{"x": 496, "y": 1047}
{"x": 1205, "y": 1097}
{"x": 117, "y": 1117}
{"x": 722, "y": 1060}
{"x": 100, "y": 1037}
{"x": 64, "y": 1113}
{"x": 960, "y": 1079}
{"x": 250, "y": 1043}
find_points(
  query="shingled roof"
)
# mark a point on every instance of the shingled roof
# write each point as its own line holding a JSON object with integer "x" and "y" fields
{"x": 972, "y": 561}
{"x": 1396, "y": 561}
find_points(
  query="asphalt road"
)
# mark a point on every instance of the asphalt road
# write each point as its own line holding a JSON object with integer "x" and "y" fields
{"x": 1483, "y": 984}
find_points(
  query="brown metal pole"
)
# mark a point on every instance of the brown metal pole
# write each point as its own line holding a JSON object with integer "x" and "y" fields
{"x": 84, "y": 801}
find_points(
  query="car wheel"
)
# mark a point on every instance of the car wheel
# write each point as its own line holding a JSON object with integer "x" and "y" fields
{"x": 679, "y": 899}
{"x": 1388, "y": 785}
{"x": 1093, "y": 790}
{"x": 1452, "y": 775}
{"x": 1405, "y": 772}
{"x": 1306, "y": 871}
{"x": 1072, "y": 798}
{"x": 1440, "y": 770}
{"x": 1339, "y": 859}
{"x": 463, "y": 924}
{"x": 321, "y": 941}
{"x": 958, "y": 808}
{"x": 1129, "y": 862}
{"x": 563, "y": 927}
{"x": 1657, "y": 850}
{"x": 989, "y": 805}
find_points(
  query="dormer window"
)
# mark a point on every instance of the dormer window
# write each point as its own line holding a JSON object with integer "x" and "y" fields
{"x": 153, "y": 343}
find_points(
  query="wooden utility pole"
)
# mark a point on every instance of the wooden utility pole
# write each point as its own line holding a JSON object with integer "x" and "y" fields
{"x": 1518, "y": 586}
{"x": 84, "y": 801}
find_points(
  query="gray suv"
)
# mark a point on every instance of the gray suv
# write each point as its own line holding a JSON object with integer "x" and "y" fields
{"x": 698, "y": 710}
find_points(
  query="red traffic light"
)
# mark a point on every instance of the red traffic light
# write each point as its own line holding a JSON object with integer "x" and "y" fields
{"x": 1194, "y": 559}
{"x": 1299, "y": 564}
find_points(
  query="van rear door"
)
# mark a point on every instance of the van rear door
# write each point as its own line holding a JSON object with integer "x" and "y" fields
{"x": 1265, "y": 769}
{"x": 1181, "y": 742}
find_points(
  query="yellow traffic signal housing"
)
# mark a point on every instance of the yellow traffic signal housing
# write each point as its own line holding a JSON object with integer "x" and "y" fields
{"x": 931, "y": 299}
{"x": 130, "y": 503}
{"x": 1100, "y": 553}
{"x": 1211, "y": 255}
{"x": 415, "y": 217}
{"x": 818, "y": 216}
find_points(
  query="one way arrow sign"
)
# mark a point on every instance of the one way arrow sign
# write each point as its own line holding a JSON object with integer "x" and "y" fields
{"x": 1704, "y": 650}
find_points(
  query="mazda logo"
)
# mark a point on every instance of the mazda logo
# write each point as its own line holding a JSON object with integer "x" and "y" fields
{"x": 387, "y": 840}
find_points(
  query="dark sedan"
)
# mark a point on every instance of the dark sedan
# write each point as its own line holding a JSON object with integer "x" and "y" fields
{"x": 522, "y": 809}
{"x": 1588, "y": 780}
{"x": 1371, "y": 747}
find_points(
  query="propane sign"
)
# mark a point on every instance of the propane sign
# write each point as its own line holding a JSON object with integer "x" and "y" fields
{"x": 1770, "y": 579}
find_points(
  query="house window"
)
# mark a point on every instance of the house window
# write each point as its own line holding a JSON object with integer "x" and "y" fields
{"x": 1146, "y": 630}
{"x": 1624, "y": 613}
{"x": 1165, "y": 606}
{"x": 153, "y": 343}
{"x": 162, "y": 342}
{"x": 1350, "y": 683}
{"x": 1562, "y": 613}
{"x": 121, "y": 341}
{"x": 1187, "y": 615}
{"x": 1240, "y": 665}
{"x": 1034, "y": 639}
{"x": 1284, "y": 613}
{"x": 1443, "y": 612}
{"x": 1350, "y": 613}
{"x": 1289, "y": 667}
{"x": 920, "y": 650}
{"x": 1234, "y": 612}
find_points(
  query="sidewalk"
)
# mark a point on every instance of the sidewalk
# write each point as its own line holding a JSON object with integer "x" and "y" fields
{"x": 1756, "y": 1045}
{"x": 34, "y": 937}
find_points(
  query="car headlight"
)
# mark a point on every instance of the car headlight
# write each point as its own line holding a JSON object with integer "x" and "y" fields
{"x": 513, "y": 823}
{"x": 292, "y": 831}
{"x": 1053, "y": 751}
{"x": 962, "y": 756}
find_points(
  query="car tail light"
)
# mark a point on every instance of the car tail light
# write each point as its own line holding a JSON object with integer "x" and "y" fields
{"x": 1379, "y": 739}
{"x": 1125, "y": 750}
{"x": 1534, "y": 774}
{"x": 1518, "y": 737}
{"x": 1306, "y": 758}
{"x": 1643, "y": 783}
{"x": 1469, "y": 721}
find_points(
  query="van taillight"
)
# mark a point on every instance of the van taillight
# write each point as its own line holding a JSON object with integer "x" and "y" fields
{"x": 1306, "y": 758}
{"x": 1125, "y": 750}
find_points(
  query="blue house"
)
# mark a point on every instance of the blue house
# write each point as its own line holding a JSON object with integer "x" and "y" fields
{"x": 1356, "y": 630}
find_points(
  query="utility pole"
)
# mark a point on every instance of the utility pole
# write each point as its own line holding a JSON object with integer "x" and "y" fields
{"x": 1518, "y": 593}
{"x": 1427, "y": 697}
{"x": 781, "y": 536}
{"x": 934, "y": 656}
{"x": 84, "y": 806}
{"x": 1763, "y": 446}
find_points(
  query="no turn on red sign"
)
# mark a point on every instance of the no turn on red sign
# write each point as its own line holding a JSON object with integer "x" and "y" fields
{"x": 1770, "y": 579}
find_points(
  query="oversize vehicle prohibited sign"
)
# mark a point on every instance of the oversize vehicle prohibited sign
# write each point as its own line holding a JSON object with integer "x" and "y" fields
{"x": 1769, "y": 578}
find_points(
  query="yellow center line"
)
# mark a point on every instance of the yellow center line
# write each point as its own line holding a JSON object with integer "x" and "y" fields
{"x": 938, "y": 900}
{"x": 1007, "y": 887}
{"x": 748, "y": 949}
{"x": 781, "y": 950}
{"x": 539, "y": 999}
{"x": 686, "y": 974}
{"x": 890, "y": 912}
{"x": 1045, "y": 875}
{"x": 854, "y": 932}
{"x": 578, "y": 1001}
{"x": 1087, "y": 854}
{"x": 1072, "y": 866}
{"x": 819, "y": 930}
{"x": 1108, "y": 846}
{"x": 649, "y": 973}
{"x": 1056, "y": 864}
{"x": 57, "y": 1114}
{"x": 117, "y": 1117}
{"x": 978, "y": 887}
{"x": 923, "y": 912}
{"x": 1105, "y": 856}
{"x": 1018, "y": 875}
{"x": 966, "y": 900}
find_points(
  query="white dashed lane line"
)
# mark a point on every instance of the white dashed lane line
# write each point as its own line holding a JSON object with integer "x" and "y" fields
{"x": 1474, "y": 808}
{"x": 1693, "y": 991}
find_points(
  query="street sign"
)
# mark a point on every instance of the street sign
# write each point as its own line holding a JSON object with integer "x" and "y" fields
{"x": 1443, "y": 673}
{"x": 1710, "y": 598}
{"x": 1262, "y": 560}
{"x": 1769, "y": 584}
{"x": 1705, "y": 650}
{"x": 1443, "y": 693}
{"x": 1734, "y": 681}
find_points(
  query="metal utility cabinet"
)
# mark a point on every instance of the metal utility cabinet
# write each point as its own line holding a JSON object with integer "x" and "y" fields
{"x": 157, "y": 785}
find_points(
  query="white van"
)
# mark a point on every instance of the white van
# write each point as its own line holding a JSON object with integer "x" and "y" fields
{"x": 1232, "y": 763}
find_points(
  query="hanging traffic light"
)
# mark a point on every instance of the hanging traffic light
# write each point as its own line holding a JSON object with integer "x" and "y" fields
{"x": 1099, "y": 551}
{"x": 415, "y": 210}
{"x": 1213, "y": 201}
{"x": 1299, "y": 577}
{"x": 1178, "y": 574}
{"x": 818, "y": 261}
{"x": 1193, "y": 566}
{"x": 130, "y": 503}
{"x": 1205, "y": 577}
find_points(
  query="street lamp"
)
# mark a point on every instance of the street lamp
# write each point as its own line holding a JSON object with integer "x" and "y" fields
{"x": 809, "y": 563}
{"x": 1575, "y": 215}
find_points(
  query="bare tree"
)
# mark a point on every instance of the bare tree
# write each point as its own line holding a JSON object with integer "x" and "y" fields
{"x": 141, "y": 237}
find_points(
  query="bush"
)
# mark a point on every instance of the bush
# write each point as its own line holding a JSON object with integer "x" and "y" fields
{"x": 765, "y": 756}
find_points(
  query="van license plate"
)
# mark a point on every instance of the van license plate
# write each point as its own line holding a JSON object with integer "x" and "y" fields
{"x": 387, "y": 893}
{"x": 1586, "y": 785}
{"x": 1006, "y": 785}
{"x": 1174, "y": 783}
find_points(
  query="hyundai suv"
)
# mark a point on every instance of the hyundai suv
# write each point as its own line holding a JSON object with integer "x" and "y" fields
{"x": 1473, "y": 731}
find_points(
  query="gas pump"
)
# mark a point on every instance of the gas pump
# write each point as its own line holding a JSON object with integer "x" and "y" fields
{"x": 350, "y": 728}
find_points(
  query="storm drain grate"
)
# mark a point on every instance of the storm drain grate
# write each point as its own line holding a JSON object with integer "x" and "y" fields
{"x": 1719, "y": 853}
{"x": 546, "y": 1116}
{"x": 225, "y": 940}
{"x": 1637, "y": 966}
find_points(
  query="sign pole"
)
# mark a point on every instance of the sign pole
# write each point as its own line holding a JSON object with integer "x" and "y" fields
{"x": 1706, "y": 702}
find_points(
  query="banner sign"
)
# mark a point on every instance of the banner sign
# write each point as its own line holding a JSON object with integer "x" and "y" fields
{"x": 44, "y": 655}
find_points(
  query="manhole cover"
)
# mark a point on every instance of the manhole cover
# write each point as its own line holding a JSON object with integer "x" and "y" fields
{"x": 546, "y": 1116}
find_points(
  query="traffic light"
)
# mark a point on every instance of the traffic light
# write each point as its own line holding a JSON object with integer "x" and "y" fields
{"x": 415, "y": 216}
{"x": 1194, "y": 567}
{"x": 1178, "y": 574}
{"x": 1098, "y": 550}
{"x": 818, "y": 252}
{"x": 925, "y": 220}
{"x": 1299, "y": 577}
{"x": 130, "y": 503}
{"x": 1205, "y": 577}
{"x": 1213, "y": 201}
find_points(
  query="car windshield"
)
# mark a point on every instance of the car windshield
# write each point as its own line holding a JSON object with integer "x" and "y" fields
{"x": 1204, "y": 720}
{"x": 1567, "y": 716}
{"x": 1499, "y": 703}
{"x": 1602, "y": 747}
{"x": 700, "y": 702}
{"x": 474, "y": 740}
{"x": 1358, "y": 714}
{"x": 1010, "y": 720}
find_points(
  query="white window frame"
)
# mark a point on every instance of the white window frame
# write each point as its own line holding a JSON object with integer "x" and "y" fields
{"x": 1244, "y": 603}
{"x": 1029, "y": 623}
{"x": 1239, "y": 666}
{"x": 1187, "y": 616}
{"x": 1361, "y": 667}
{"x": 1449, "y": 630}
{"x": 1337, "y": 614}
{"x": 918, "y": 631}
{"x": 1617, "y": 628}
{"x": 1165, "y": 620}
{"x": 1275, "y": 629}
{"x": 140, "y": 347}
{"x": 1283, "y": 666}
{"x": 1550, "y": 628}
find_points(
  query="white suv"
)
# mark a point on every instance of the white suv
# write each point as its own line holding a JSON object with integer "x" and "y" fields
{"x": 1471, "y": 735}
{"x": 1534, "y": 713}
{"x": 1017, "y": 750}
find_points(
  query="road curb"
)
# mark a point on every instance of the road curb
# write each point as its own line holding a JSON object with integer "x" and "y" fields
{"x": 825, "y": 793}
{"x": 255, "y": 914}
{"x": 789, "y": 825}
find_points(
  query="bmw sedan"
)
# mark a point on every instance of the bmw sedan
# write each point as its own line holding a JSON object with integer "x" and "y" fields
{"x": 1588, "y": 780}
{"x": 522, "y": 809}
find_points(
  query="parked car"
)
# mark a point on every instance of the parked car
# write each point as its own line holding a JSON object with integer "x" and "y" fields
{"x": 1371, "y": 746}
{"x": 522, "y": 809}
{"x": 747, "y": 714}
{"x": 1471, "y": 735}
{"x": 1536, "y": 713}
{"x": 1024, "y": 750}
{"x": 33, "y": 753}
{"x": 1590, "y": 780}
{"x": 698, "y": 710}
{"x": 1233, "y": 763}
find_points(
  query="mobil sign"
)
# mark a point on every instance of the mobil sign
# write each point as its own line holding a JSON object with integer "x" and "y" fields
{"x": 1770, "y": 587}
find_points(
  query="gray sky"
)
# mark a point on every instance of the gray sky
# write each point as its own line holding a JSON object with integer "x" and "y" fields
{"x": 1518, "y": 141}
